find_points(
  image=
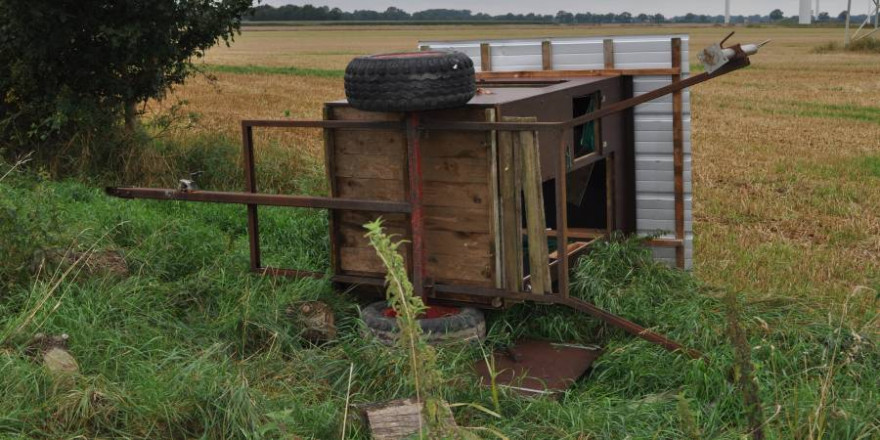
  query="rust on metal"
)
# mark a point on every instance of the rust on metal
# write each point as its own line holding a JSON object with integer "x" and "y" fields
{"x": 535, "y": 367}
{"x": 417, "y": 215}
{"x": 254, "y": 199}
{"x": 678, "y": 155}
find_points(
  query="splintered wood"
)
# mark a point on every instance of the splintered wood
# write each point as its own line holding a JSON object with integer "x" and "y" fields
{"x": 398, "y": 419}
{"x": 521, "y": 155}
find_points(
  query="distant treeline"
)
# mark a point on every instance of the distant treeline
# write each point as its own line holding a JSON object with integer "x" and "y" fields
{"x": 325, "y": 13}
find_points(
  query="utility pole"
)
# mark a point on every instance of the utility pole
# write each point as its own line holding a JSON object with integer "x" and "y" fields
{"x": 848, "y": 14}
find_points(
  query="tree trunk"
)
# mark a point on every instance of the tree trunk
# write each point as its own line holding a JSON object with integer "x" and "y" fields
{"x": 131, "y": 114}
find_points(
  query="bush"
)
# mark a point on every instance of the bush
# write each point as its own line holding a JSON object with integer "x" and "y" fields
{"x": 74, "y": 72}
{"x": 864, "y": 45}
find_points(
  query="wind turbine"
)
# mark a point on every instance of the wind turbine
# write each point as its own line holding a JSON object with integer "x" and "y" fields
{"x": 727, "y": 12}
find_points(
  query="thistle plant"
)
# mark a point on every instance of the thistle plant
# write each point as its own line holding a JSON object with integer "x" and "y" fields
{"x": 426, "y": 378}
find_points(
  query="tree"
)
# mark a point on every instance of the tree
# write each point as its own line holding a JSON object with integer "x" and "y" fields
{"x": 76, "y": 67}
{"x": 776, "y": 14}
{"x": 564, "y": 17}
{"x": 823, "y": 17}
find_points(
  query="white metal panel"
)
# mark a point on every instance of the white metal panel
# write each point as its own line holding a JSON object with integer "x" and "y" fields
{"x": 655, "y": 206}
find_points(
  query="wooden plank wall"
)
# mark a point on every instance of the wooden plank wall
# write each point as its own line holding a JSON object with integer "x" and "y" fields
{"x": 458, "y": 202}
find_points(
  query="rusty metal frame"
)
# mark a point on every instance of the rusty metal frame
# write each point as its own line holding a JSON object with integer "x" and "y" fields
{"x": 413, "y": 126}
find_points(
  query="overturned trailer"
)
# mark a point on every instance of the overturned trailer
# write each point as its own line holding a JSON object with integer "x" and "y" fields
{"x": 565, "y": 142}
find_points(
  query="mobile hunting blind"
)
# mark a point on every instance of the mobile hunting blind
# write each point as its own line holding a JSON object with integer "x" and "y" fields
{"x": 655, "y": 124}
{"x": 565, "y": 142}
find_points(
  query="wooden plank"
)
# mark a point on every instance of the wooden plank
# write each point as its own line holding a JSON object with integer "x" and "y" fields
{"x": 359, "y": 218}
{"x": 436, "y": 219}
{"x": 526, "y": 145}
{"x": 610, "y": 224}
{"x": 562, "y": 268}
{"x": 572, "y": 247}
{"x": 459, "y": 219}
{"x": 455, "y": 144}
{"x": 344, "y": 112}
{"x": 445, "y": 268}
{"x": 495, "y": 202}
{"x": 578, "y": 233}
{"x": 370, "y": 143}
{"x": 546, "y": 55}
{"x": 448, "y": 269}
{"x": 511, "y": 220}
{"x": 370, "y": 189}
{"x": 678, "y": 154}
{"x": 465, "y": 195}
{"x": 399, "y": 419}
{"x": 454, "y": 170}
{"x": 608, "y": 52}
{"x": 576, "y": 73}
{"x": 485, "y": 57}
{"x": 364, "y": 259}
{"x": 329, "y": 154}
{"x": 473, "y": 244}
{"x": 369, "y": 167}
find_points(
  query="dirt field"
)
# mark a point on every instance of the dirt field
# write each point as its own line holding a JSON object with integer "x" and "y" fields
{"x": 786, "y": 153}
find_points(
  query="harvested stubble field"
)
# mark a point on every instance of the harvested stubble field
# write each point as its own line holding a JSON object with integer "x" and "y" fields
{"x": 189, "y": 345}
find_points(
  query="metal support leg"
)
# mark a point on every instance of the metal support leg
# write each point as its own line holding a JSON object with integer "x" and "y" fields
{"x": 247, "y": 139}
{"x": 417, "y": 219}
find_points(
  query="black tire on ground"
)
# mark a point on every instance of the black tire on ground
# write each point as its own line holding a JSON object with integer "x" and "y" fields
{"x": 413, "y": 81}
{"x": 467, "y": 325}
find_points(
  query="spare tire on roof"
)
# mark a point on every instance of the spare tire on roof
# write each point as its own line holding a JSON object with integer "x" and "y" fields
{"x": 412, "y": 81}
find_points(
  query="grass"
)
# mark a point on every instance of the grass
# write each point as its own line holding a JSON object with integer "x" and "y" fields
{"x": 832, "y": 111}
{"x": 869, "y": 45}
{"x": 192, "y": 346}
{"x": 267, "y": 70}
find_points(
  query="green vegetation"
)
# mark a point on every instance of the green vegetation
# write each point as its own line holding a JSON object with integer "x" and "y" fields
{"x": 193, "y": 346}
{"x": 270, "y": 70}
{"x": 73, "y": 74}
{"x": 863, "y": 45}
{"x": 830, "y": 111}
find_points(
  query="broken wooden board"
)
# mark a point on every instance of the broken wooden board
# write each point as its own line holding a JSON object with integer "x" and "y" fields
{"x": 398, "y": 419}
{"x": 525, "y": 145}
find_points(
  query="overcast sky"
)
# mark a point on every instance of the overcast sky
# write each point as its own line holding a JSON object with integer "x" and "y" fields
{"x": 668, "y": 7}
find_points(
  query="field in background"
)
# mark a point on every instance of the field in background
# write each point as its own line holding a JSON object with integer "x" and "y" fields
{"x": 786, "y": 153}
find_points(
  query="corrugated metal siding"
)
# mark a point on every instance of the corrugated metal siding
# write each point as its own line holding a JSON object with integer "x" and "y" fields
{"x": 655, "y": 207}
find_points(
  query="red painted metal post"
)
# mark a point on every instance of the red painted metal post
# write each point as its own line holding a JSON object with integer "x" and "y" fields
{"x": 417, "y": 219}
